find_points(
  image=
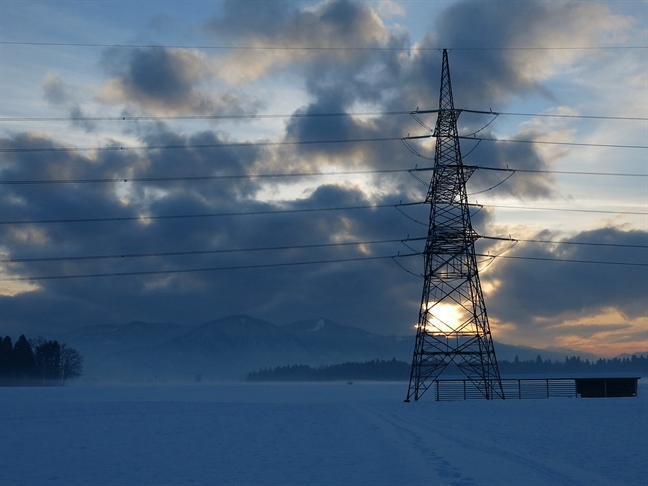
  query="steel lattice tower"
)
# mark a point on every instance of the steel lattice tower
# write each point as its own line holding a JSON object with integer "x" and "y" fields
{"x": 453, "y": 334}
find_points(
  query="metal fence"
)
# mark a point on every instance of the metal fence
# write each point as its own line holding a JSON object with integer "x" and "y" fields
{"x": 513, "y": 389}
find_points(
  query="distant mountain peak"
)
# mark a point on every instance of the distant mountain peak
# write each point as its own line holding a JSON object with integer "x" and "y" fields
{"x": 234, "y": 345}
{"x": 319, "y": 325}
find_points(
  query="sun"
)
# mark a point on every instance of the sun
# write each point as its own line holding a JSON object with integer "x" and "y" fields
{"x": 445, "y": 318}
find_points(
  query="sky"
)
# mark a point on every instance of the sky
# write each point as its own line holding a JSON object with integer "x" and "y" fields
{"x": 185, "y": 161}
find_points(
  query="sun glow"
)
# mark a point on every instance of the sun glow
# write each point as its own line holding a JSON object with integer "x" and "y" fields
{"x": 445, "y": 318}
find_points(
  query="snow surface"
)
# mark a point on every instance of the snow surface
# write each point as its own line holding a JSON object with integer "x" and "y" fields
{"x": 301, "y": 434}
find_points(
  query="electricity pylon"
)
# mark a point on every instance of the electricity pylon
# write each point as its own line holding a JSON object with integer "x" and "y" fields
{"x": 452, "y": 334}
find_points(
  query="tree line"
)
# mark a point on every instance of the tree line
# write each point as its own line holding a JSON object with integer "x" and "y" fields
{"x": 637, "y": 365}
{"x": 370, "y": 370}
{"x": 37, "y": 362}
{"x": 395, "y": 370}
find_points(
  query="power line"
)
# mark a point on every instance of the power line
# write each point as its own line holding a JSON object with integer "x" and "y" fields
{"x": 549, "y": 115}
{"x": 565, "y": 242}
{"x": 198, "y": 270}
{"x": 202, "y": 252}
{"x": 550, "y": 142}
{"x": 119, "y": 256}
{"x": 500, "y": 206}
{"x": 286, "y": 211}
{"x": 545, "y": 115}
{"x": 200, "y": 178}
{"x": 195, "y": 216}
{"x": 204, "y": 117}
{"x": 299, "y": 115}
{"x": 289, "y": 264}
{"x": 118, "y": 148}
{"x": 114, "y": 180}
{"x": 315, "y": 48}
{"x": 564, "y": 172}
{"x": 541, "y": 171}
{"x": 567, "y": 260}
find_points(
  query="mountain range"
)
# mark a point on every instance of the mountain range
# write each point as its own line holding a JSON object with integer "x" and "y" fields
{"x": 231, "y": 347}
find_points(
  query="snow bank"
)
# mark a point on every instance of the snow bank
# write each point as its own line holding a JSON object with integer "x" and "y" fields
{"x": 314, "y": 434}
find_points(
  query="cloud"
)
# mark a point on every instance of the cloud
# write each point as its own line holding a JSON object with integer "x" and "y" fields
{"x": 594, "y": 307}
{"x": 165, "y": 81}
{"x": 55, "y": 90}
{"x": 537, "y": 292}
{"x": 340, "y": 23}
{"x": 516, "y": 152}
{"x": 389, "y": 9}
{"x": 496, "y": 74}
{"x": 277, "y": 293}
{"x": 304, "y": 37}
{"x": 606, "y": 334}
{"x": 57, "y": 93}
{"x": 503, "y": 155}
{"x": 338, "y": 81}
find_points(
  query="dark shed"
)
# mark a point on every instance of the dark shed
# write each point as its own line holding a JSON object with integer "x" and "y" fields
{"x": 606, "y": 387}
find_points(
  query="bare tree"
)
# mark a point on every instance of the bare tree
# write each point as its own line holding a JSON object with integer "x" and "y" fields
{"x": 71, "y": 363}
{"x": 48, "y": 359}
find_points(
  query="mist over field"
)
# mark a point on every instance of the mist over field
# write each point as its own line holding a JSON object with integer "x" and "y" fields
{"x": 231, "y": 347}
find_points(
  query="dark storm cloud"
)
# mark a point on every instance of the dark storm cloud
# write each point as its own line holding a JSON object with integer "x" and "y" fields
{"x": 505, "y": 155}
{"x": 166, "y": 81}
{"x": 530, "y": 292}
{"x": 280, "y": 293}
{"x": 196, "y": 153}
{"x": 493, "y": 76}
{"x": 156, "y": 77}
{"x": 73, "y": 201}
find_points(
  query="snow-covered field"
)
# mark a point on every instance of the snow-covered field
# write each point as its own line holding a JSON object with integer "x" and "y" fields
{"x": 303, "y": 434}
